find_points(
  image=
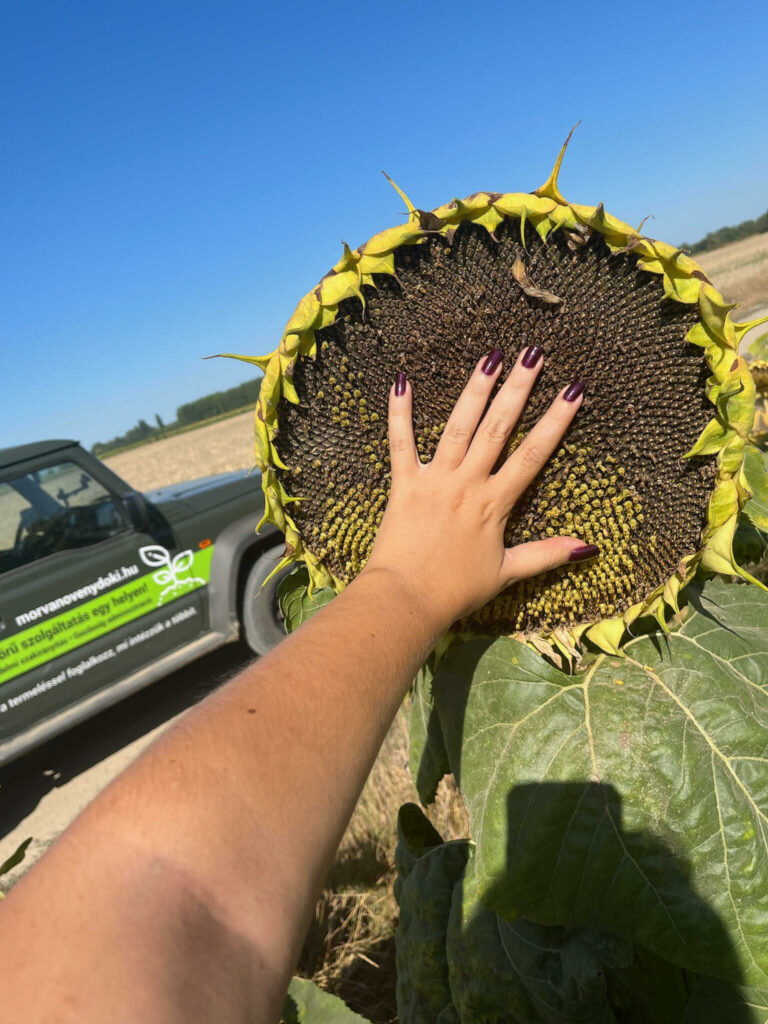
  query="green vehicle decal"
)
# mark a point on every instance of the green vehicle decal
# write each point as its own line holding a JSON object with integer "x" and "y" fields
{"x": 172, "y": 579}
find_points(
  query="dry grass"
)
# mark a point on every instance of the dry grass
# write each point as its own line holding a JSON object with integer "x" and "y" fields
{"x": 349, "y": 948}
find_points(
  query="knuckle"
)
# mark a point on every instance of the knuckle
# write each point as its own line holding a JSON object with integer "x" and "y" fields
{"x": 455, "y": 433}
{"x": 517, "y": 387}
{"x": 399, "y": 444}
{"x": 496, "y": 429}
{"x": 532, "y": 455}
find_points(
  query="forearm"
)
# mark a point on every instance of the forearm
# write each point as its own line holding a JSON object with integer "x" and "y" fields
{"x": 183, "y": 892}
{"x": 229, "y": 823}
{"x": 269, "y": 769}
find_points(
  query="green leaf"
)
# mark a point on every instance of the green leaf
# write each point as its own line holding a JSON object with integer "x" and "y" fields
{"x": 633, "y": 797}
{"x": 424, "y": 896}
{"x": 749, "y": 544}
{"x": 758, "y": 348}
{"x": 295, "y": 603}
{"x": 416, "y": 835}
{"x": 756, "y": 471}
{"x": 308, "y": 1004}
{"x": 16, "y": 857}
{"x": 717, "y": 1002}
{"x": 525, "y": 973}
{"x": 650, "y": 991}
{"x": 427, "y": 756}
{"x": 450, "y": 1015}
{"x": 459, "y": 962}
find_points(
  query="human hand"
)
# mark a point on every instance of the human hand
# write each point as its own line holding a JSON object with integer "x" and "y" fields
{"x": 442, "y": 534}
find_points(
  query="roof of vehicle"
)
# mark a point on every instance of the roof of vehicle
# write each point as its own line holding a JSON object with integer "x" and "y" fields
{"x": 10, "y": 456}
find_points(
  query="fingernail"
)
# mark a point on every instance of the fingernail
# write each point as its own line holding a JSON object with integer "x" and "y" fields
{"x": 735, "y": 364}
{"x": 582, "y": 554}
{"x": 400, "y": 384}
{"x": 573, "y": 391}
{"x": 532, "y": 355}
{"x": 492, "y": 361}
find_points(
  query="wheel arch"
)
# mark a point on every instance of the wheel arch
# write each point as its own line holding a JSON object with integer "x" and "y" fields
{"x": 236, "y": 549}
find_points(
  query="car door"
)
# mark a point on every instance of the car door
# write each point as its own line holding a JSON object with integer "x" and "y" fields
{"x": 85, "y": 598}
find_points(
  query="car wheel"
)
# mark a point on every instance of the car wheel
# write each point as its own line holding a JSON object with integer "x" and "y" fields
{"x": 262, "y": 620}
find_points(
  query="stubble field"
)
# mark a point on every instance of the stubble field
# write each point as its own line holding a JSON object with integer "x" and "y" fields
{"x": 216, "y": 448}
{"x": 740, "y": 272}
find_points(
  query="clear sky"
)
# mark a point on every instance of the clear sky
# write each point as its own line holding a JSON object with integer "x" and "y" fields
{"x": 176, "y": 175}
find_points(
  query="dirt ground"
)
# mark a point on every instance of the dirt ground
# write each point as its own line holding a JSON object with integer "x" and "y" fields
{"x": 217, "y": 448}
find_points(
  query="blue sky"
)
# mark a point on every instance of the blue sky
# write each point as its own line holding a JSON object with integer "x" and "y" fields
{"x": 175, "y": 176}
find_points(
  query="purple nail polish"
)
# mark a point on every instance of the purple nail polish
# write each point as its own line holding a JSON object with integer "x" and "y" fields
{"x": 582, "y": 554}
{"x": 400, "y": 384}
{"x": 531, "y": 357}
{"x": 573, "y": 391}
{"x": 492, "y": 361}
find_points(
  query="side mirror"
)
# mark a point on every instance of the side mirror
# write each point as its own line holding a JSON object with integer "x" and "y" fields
{"x": 135, "y": 505}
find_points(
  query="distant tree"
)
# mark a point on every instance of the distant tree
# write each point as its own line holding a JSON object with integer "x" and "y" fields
{"x": 219, "y": 402}
{"x": 734, "y": 233}
{"x": 191, "y": 412}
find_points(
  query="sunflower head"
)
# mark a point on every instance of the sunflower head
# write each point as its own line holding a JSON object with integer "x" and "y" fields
{"x": 652, "y": 469}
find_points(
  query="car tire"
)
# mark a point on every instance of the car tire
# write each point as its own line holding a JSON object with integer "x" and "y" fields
{"x": 261, "y": 617}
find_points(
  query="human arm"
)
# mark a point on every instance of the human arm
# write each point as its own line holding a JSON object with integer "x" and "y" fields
{"x": 184, "y": 890}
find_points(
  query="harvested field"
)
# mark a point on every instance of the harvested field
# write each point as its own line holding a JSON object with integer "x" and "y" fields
{"x": 216, "y": 448}
{"x": 740, "y": 271}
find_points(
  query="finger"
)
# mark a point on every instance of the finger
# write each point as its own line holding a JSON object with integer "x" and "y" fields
{"x": 531, "y": 455}
{"x": 402, "y": 445}
{"x": 499, "y": 422}
{"x": 466, "y": 414}
{"x": 539, "y": 556}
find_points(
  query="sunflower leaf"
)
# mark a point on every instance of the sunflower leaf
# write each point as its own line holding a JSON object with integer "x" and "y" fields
{"x": 632, "y": 797}
{"x": 756, "y": 471}
{"x": 749, "y": 543}
{"x": 716, "y": 1002}
{"x": 650, "y": 990}
{"x": 758, "y": 348}
{"x": 521, "y": 971}
{"x": 458, "y": 961}
{"x": 428, "y": 872}
{"x": 427, "y": 757}
{"x": 308, "y": 1004}
{"x": 295, "y": 603}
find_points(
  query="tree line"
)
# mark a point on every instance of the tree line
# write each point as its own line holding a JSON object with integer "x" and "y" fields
{"x": 729, "y": 234}
{"x": 215, "y": 404}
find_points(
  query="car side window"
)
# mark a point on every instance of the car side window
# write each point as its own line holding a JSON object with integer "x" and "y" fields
{"x": 57, "y": 508}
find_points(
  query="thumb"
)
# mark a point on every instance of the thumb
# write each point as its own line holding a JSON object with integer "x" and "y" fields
{"x": 539, "y": 556}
